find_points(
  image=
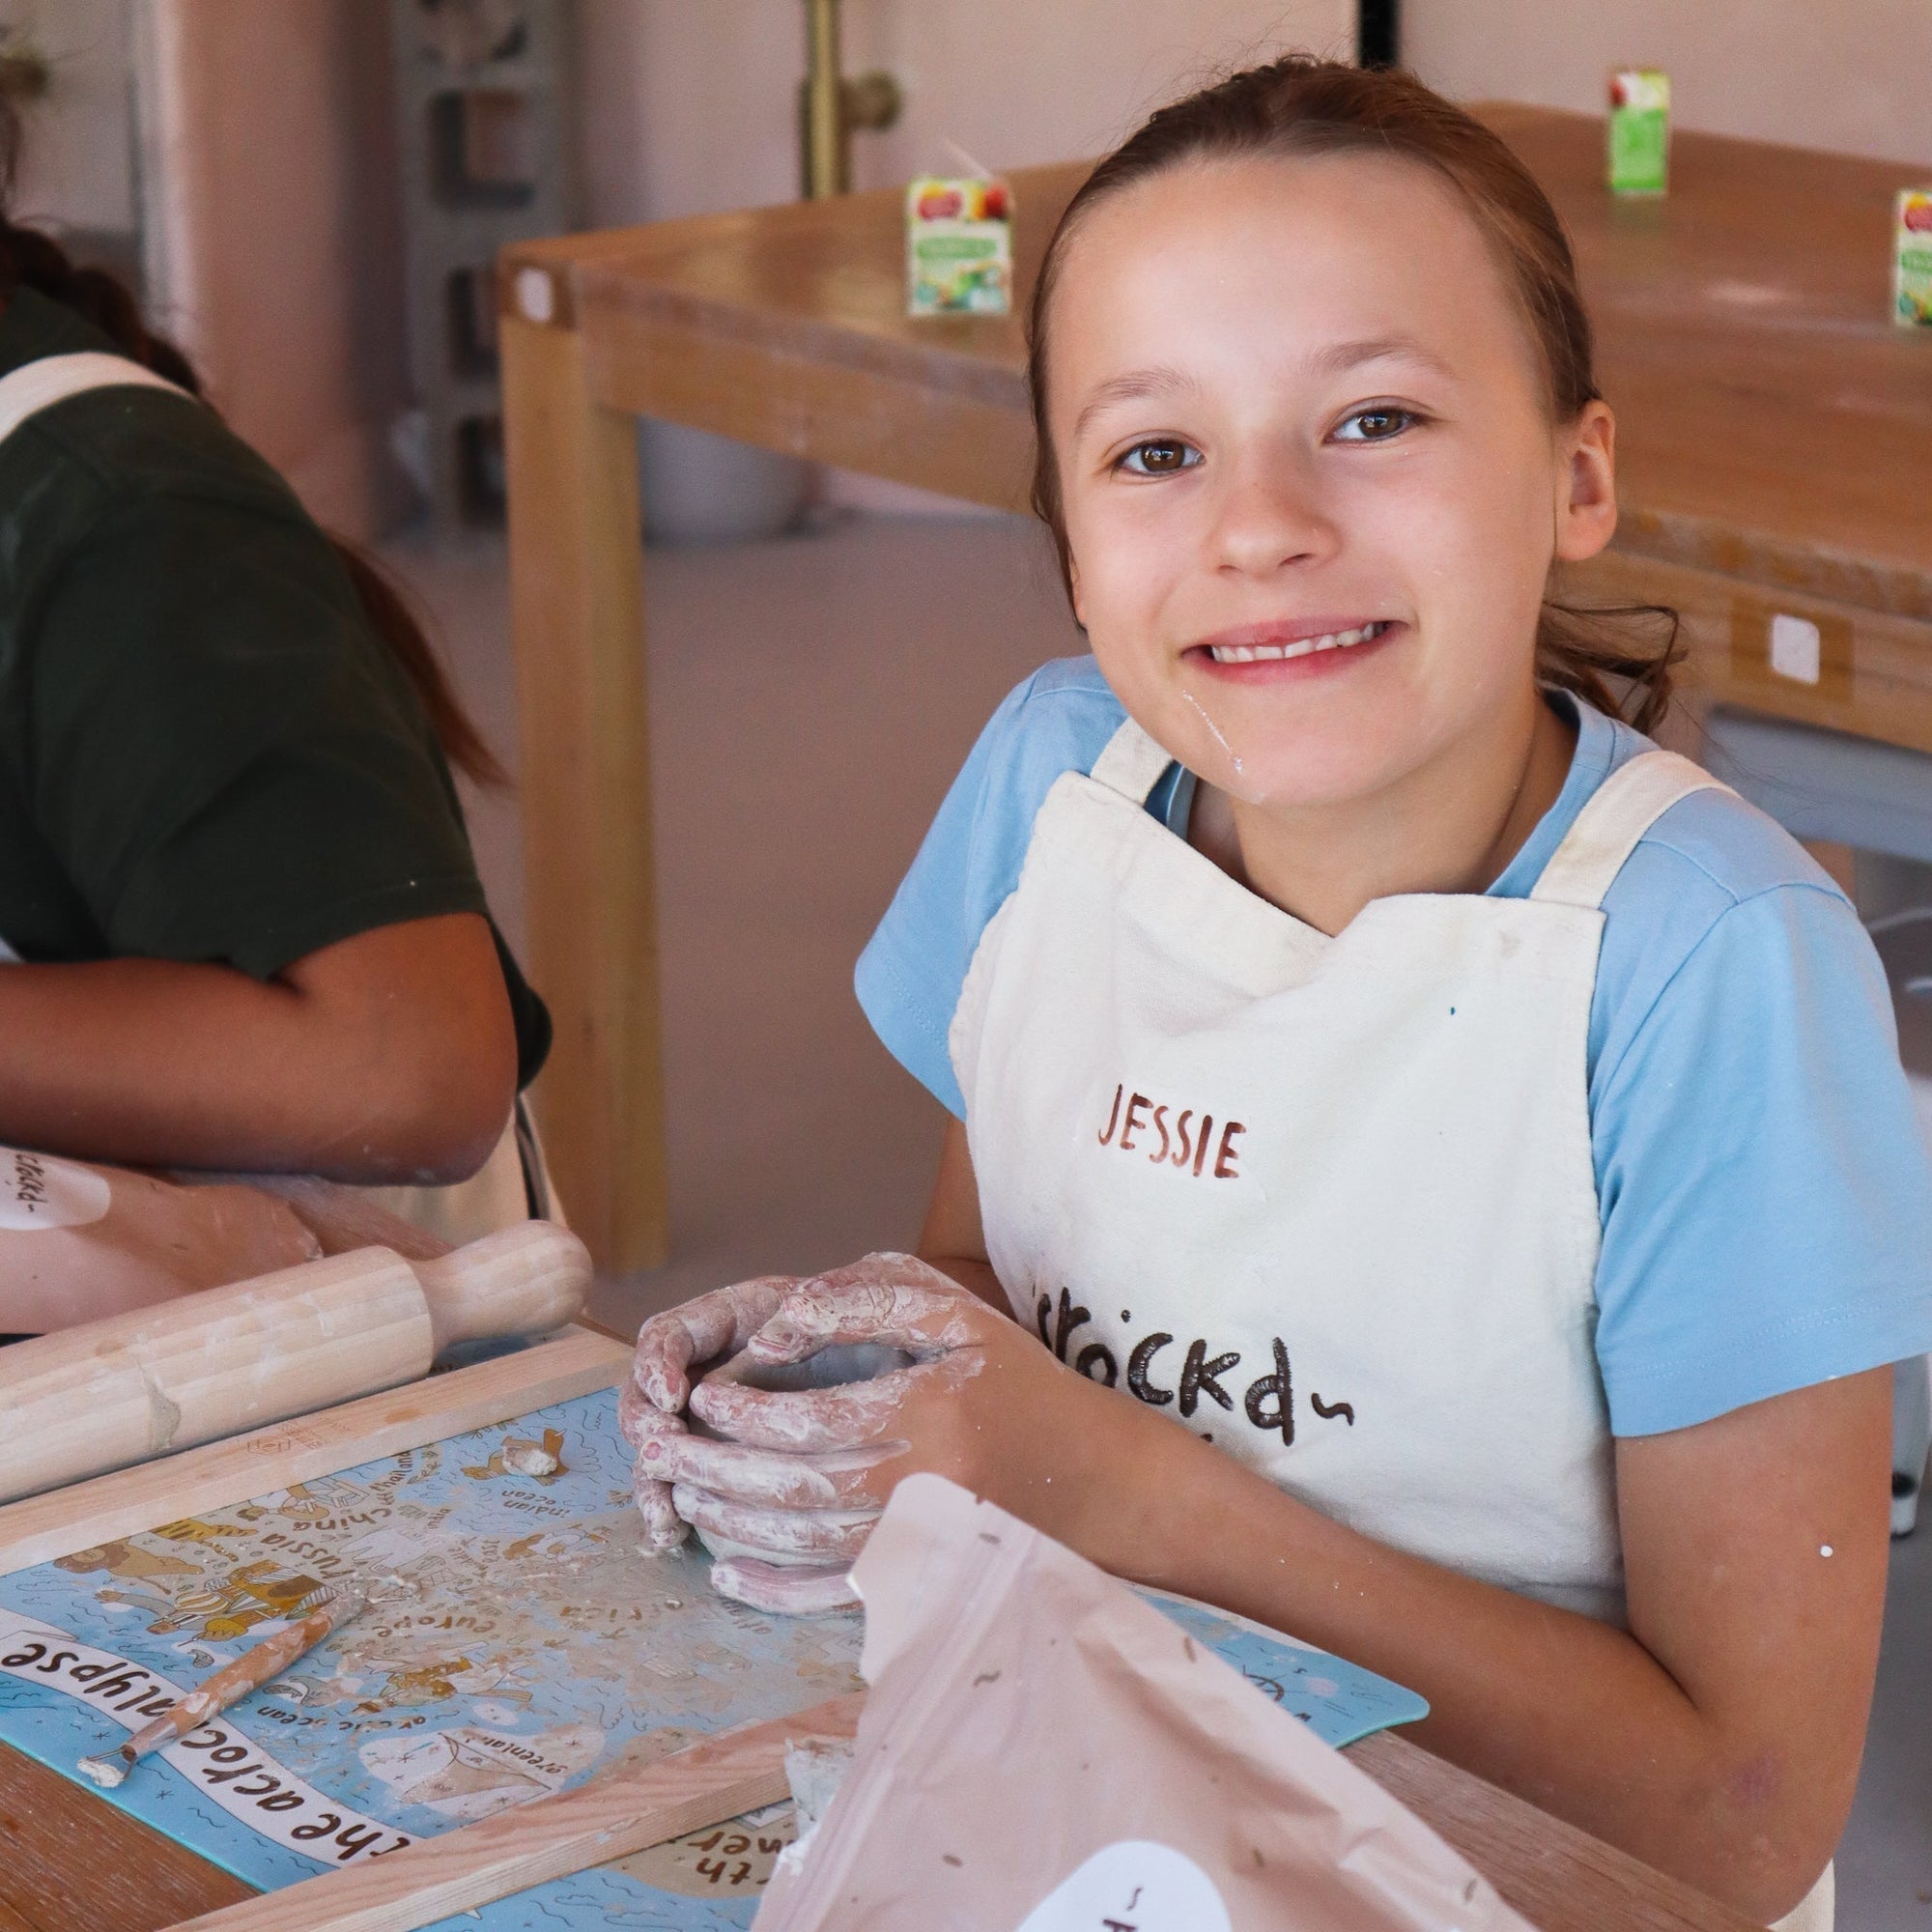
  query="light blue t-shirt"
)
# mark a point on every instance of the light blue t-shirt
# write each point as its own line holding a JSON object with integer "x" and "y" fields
{"x": 1766, "y": 1200}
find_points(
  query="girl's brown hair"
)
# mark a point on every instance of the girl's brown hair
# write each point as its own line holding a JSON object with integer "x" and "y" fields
{"x": 1302, "y": 107}
{"x": 32, "y": 259}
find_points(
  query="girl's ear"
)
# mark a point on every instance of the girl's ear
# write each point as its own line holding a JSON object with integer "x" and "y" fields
{"x": 1073, "y": 588}
{"x": 1586, "y": 493}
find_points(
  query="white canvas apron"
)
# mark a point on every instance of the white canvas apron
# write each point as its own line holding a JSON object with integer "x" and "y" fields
{"x": 1328, "y": 1201}
{"x": 511, "y": 1185}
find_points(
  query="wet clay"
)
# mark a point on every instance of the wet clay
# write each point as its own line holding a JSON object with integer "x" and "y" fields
{"x": 729, "y": 1530}
{"x": 650, "y": 1405}
{"x": 834, "y": 1366}
{"x": 771, "y": 1458}
{"x": 1235, "y": 782}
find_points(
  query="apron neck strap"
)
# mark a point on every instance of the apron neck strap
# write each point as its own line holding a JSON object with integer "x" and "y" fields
{"x": 38, "y": 384}
{"x": 1132, "y": 765}
{"x": 1616, "y": 817}
{"x": 1581, "y": 870}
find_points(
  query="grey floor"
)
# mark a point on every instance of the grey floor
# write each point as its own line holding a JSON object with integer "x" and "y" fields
{"x": 810, "y": 700}
{"x": 811, "y": 697}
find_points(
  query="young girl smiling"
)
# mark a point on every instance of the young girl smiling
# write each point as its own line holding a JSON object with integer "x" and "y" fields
{"x": 1479, "y": 1131}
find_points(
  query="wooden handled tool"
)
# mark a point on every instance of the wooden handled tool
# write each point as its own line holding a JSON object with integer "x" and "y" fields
{"x": 249, "y": 1672}
{"x": 109, "y": 1393}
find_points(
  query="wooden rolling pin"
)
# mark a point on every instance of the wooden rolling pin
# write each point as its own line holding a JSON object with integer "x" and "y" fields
{"x": 109, "y": 1393}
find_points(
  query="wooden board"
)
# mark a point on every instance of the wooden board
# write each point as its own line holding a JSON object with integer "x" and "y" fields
{"x": 608, "y": 1818}
{"x": 40, "y": 1528}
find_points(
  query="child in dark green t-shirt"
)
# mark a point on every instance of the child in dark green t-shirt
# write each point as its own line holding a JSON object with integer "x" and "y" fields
{"x": 234, "y": 882}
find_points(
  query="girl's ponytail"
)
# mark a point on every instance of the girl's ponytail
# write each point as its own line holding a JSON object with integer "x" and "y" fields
{"x": 31, "y": 259}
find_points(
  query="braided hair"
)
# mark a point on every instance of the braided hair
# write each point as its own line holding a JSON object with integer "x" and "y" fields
{"x": 31, "y": 258}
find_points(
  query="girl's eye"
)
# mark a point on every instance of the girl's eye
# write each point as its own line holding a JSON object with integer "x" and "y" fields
{"x": 1375, "y": 425}
{"x": 1159, "y": 456}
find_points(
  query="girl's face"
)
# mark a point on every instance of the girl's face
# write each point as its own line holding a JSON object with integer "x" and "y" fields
{"x": 1311, "y": 487}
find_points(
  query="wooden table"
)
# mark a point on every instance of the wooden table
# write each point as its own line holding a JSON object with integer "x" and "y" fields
{"x": 70, "y": 1862}
{"x": 1775, "y": 442}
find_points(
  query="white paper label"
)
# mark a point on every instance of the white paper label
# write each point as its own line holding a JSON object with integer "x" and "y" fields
{"x": 39, "y": 1191}
{"x": 1135, "y": 1886}
{"x": 470, "y": 1773}
{"x": 536, "y": 296}
{"x": 1795, "y": 649}
{"x": 216, "y": 1759}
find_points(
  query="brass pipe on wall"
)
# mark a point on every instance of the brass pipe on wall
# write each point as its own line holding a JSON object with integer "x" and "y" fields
{"x": 831, "y": 106}
{"x": 828, "y": 154}
{"x": 24, "y": 72}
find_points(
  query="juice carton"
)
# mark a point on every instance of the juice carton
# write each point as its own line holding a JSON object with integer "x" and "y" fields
{"x": 1912, "y": 259}
{"x": 959, "y": 247}
{"x": 1639, "y": 154}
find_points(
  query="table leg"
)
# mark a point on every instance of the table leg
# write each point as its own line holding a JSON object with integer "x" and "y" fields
{"x": 577, "y": 611}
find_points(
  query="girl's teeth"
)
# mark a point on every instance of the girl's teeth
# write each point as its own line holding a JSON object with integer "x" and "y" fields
{"x": 1331, "y": 641}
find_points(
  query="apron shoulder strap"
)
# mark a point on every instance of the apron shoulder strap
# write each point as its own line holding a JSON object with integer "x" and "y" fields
{"x": 1132, "y": 763}
{"x": 34, "y": 386}
{"x": 1607, "y": 829}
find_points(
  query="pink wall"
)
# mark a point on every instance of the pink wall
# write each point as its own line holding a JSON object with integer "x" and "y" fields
{"x": 273, "y": 228}
{"x": 78, "y": 168}
{"x": 689, "y": 105}
{"x": 271, "y": 215}
{"x": 1851, "y": 74}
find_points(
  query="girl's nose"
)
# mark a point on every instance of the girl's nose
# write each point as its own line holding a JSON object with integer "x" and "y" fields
{"x": 1270, "y": 518}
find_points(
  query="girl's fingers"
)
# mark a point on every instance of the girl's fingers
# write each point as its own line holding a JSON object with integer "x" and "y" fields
{"x": 918, "y": 1309}
{"x": 712, "y": 1324}
{"x": 635, "y": 1412}
{"x": 784, "y": 1590}
{"x": 649, "y": 1426}
{"x": 765, "y": 1479}
{"x": 796, "y": 1536}
{"x": 886, "y": 1268}
{"x": 664, "y": 1528}
{"x": 851, "y": 1416}
{"x": 643, "y": 1423}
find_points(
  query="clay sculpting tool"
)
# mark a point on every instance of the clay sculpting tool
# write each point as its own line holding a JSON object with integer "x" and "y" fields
{"x": 249, "y": 1672}
{"x": 105, "y": 1394}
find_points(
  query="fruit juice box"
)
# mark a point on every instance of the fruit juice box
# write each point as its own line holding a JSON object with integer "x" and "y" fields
{"x": 1640, "y": 155}
{"x": 959, "y": 247}
{"x": 1912, "y": 259}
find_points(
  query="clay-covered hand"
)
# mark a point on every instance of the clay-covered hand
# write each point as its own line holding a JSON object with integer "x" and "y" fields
{"x": 777, "y": 1522}
{"x": 650, "y": 1407}
{"x": 801, "y": 1475}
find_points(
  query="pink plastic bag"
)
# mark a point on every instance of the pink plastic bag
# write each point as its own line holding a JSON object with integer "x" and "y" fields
{"x": 80, "y": 1241}
{"x": 1043, "y": 1751}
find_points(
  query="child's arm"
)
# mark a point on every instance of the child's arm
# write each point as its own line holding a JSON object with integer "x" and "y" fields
{"x": 1718, "y": 1739}
{"x": 387, "y": 1058}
